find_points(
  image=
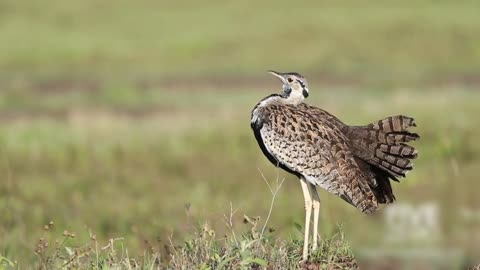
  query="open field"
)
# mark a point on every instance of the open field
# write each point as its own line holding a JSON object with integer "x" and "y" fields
{"x": 125, "y": 174}
{"x": 131, "y": 120}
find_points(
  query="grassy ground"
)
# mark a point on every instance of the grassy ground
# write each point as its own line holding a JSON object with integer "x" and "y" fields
{"x": 91, "y": 169}
{"x": 253, "y": 249}
{"x": 131, "y": 120}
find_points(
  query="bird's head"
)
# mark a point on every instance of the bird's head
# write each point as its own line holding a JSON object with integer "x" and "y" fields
{"x": 295, "y": 87}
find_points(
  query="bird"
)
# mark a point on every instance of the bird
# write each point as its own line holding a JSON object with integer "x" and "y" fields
{"x": 356, "y": 163}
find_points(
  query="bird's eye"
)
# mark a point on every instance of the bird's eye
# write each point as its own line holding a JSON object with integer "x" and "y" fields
{"x": 290, "y": 80}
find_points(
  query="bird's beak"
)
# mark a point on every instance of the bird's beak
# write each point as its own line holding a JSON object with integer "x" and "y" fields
{"x": 278, "y": 75}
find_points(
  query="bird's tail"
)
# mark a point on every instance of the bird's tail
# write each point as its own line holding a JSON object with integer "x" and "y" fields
{"x": 383, "y": 147}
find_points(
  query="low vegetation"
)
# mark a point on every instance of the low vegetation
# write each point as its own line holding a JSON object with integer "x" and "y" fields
{"x": 203, "y": 249}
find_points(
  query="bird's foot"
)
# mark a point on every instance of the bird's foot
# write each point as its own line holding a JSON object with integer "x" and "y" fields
{"x": 304, "y": 259}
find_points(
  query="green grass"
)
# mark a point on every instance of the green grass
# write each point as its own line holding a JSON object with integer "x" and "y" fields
{"x": 130, "y": 176}
{"x": 203, "y": 250}
{"x": 412, "y": 40}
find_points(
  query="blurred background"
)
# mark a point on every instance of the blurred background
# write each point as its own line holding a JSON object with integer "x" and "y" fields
{"x": 131, "y": 118}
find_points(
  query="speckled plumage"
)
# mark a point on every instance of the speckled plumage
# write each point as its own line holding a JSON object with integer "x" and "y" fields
{"x": 355, "y": 163}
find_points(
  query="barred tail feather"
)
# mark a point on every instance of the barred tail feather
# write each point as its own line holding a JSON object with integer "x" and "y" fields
{"x": 399, "y": 123}
{"x": 401, "y": 150}
{"x": 387, "y": 139}
{"x": 383, "y": 146}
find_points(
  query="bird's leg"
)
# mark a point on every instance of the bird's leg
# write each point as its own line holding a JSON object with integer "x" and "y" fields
{"x": 308, "y": 211}
{"x": 316, "y": 213}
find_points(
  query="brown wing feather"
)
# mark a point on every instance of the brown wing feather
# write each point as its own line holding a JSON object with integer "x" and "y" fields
{"x": 310, "y": 142}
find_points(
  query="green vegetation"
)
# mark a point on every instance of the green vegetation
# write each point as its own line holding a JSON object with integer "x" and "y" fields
{"x": 411, "y": 40}
{"x": 130, "y": 121}
{"x": 129, "y": 175}
{"x": 251, "y": 250}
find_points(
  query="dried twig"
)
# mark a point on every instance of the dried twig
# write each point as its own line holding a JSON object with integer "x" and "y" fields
{"x": 274, "y": 192}
{"x": 229, "y": 222}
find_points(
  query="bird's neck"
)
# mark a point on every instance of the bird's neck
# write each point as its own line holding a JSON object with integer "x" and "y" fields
{"x": 293, "y": 98}
{"x": 273, "y": 98}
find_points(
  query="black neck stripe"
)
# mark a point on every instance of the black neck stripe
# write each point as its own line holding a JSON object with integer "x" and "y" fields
{"x": 301, "y": 83}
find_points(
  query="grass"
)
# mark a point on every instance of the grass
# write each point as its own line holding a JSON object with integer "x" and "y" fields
{"x": 90, "y": 168}
{"x": 254, "y": 249}
{"x": 412, "y": 40}
{"x": 204, "y": 250}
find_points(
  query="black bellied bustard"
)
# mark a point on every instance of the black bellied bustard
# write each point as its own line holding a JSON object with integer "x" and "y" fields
{"x": 355, "y": 163}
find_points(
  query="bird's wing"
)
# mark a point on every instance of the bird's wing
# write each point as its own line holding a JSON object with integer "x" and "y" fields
{"x": 314, "y": 147}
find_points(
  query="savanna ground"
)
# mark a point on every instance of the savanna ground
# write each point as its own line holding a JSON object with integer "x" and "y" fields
{"x": 127, "y": 125}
